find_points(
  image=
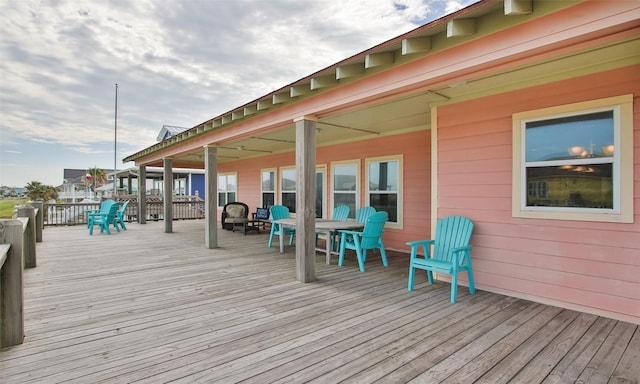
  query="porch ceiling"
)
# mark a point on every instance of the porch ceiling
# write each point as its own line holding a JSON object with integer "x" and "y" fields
{"x": 409, "y": 113}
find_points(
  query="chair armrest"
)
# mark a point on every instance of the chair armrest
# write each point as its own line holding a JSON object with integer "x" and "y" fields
{"x": 349, "y": 232}
{"x": 417, "y": 243}
{"x": 456, "y": 251}
{"x": 460, "y": 249}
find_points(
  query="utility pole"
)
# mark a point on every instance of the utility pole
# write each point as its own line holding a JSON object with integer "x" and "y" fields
{"x": 115, "y": 145}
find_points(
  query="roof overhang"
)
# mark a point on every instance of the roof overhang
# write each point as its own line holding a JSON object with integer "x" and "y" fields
{"x": 390, "y": 88}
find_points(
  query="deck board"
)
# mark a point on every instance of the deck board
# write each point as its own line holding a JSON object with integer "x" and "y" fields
{"x": 145, "y": 306}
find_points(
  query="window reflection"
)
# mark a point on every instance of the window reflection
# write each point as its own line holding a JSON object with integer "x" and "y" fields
{"x": 583, "y": 136}
{"x": 570, "y": 161}
{"x": 383, "y": 187}
{"x": 585, "y": 186}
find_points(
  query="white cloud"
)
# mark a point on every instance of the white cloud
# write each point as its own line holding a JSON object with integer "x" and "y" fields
{"x": 176, "y": 62}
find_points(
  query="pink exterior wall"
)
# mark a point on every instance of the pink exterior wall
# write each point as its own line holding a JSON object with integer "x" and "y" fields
{"x": 589, "y": 266}
{"x": 415, "y": 148}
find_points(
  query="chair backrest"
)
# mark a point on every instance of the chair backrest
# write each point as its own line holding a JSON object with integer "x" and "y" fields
{"x": 341, "y": 213}
{"x": 105, "y": 205}
{"x": 123, "y": 209}
{"x": 236, "y": 209}
{"x": 451, "y": 232}
{"x": 279, "y": 212}
{"x": 113, "y": 211}
{"x": 373, "y": 229}
{"x": 363, "y": 213}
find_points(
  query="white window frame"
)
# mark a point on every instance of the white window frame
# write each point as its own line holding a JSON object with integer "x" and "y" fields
{"x": 357, "y": 164}
{"x": 622, "y": 107}
{"x": 400, "y": 159}
{"x": 322, "y": 171}
{"x": 227, "y": 191}
{"x": 281, "y": 188}
{"x": 275, "y": 185}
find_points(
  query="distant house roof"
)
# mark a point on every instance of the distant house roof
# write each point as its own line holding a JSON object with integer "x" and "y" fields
{"x": 74, "y": 176}
{"x": 168, "y": 131}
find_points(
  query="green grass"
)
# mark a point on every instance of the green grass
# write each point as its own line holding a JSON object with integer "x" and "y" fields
{"x": 6, "y": 206}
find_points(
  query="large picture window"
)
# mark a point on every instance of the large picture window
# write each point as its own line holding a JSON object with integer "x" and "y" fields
{"x": 571, "y": 161}
{"x": 227, "y": 189}
{"x": 384, "y": 178}
{"x": 345, "y": 186}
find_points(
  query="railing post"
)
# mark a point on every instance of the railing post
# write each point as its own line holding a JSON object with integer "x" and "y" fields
{"x": 11, "y": 292}
{"x": 39, "y": 204}
{"x": 29, "y": 236}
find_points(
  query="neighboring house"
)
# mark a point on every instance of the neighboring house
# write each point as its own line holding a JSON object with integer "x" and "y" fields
{"x": 521, "y": 115}
{"x": 11, "y": 191}
{"x": 186, "y": 182}
{"x": 169, "y": 131}
{"x": 75, "y": 188}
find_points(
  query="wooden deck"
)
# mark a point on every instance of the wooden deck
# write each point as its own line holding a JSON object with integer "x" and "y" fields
{"x": 145, "y": 306}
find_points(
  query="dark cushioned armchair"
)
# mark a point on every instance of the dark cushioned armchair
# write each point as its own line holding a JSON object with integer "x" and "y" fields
{"x": 234, "y": 214}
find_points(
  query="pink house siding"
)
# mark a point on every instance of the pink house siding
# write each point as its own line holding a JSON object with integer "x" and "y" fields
{"x": 415, "y": 148}
{"x": 589, "y": 266}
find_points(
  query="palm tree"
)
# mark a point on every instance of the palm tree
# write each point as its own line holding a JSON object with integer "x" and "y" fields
{"x": 37, "y": 190}
{"x": 95, "y": 177}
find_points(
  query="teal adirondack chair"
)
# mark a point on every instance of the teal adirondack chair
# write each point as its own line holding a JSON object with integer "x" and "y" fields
{"x": 104, "y": 209}
{"x": 279, "y": 212}
{"x": 448, "y": 253}
{"x": 361, "y": 217}
{"x": 104, "y": 220}
{"x": 363, "y": 213}
{"x": 119, "y": 219}
{"x": 368, "y": 238}
{"x": 340, "y": 213}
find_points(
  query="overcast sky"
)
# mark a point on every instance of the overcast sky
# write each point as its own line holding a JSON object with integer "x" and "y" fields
{"x": 176, "y": 62}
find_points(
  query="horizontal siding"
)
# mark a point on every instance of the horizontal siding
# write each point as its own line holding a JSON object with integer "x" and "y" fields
{"x": 594, "y": 266}
{"x": 416, "y": 151}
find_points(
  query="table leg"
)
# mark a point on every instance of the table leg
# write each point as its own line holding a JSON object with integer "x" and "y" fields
{"x": 328, "y": 251}
{"x": 281, "y": 239}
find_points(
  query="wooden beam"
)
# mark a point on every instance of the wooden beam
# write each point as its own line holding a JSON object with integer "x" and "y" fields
{"x": 281, "y": 98}
{"x": 416, "y": 45}
{"x": 299, "y": 90}
{"x": 211, "y": 196}
{"x": 461, "y": 27}
{"x": 226, "y": 119}
{"x": 350, "y": 70}
{"x": 378, "y": 59}
{"x": 168, "y": 195}
{"x": 29, "y": 250}
{"x": 237, "y": 115}
{"x": 12, "y": 292}
{"x": 216, "y": 123}
{"x": 323, "y": 81}
{"x": 250, "y": 110}
{"x": 264, "y": 104}
{"x": 142, "y": 194}
{"x": 518, "y": 7}
{"x": 306, "y": 198}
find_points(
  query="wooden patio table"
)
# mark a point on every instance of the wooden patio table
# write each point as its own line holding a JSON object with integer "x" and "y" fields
{"x": 322, "y": 226}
